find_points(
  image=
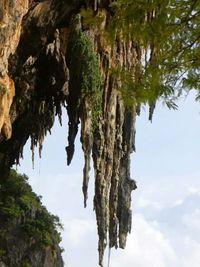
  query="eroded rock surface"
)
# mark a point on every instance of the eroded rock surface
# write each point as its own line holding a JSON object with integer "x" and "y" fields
{"x": 57, "y": 60}
{"x": 11, "y": 14}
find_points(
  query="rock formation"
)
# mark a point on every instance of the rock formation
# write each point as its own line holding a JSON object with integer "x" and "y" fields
{"x": 57, "y": 54}
{"x": 28, "y": 233}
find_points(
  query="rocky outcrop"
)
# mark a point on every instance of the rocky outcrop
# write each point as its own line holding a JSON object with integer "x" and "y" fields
{"x": 11, "y": 14}
{"x": 64, "y": 59}
{"x": 28, "y": 233}
{"x": 7, "y": 92}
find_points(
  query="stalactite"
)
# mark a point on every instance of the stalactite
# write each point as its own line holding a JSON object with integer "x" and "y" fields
{"x": 87, "y": 141}
{"x": 60, "y": 62}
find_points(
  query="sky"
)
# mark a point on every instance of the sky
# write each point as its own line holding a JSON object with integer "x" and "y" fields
{"x": 166, "y": 205}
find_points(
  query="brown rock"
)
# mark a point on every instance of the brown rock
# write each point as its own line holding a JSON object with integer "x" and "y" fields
{"x": 7, "y": 92}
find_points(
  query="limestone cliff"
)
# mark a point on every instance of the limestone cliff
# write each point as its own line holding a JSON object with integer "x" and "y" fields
{"x": 11, "y": 14}
{"x": 28, "y": 233}
{"x": 56, "y": 54}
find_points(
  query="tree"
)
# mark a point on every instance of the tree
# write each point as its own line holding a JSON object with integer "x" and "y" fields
{"x": 101, "y": 60}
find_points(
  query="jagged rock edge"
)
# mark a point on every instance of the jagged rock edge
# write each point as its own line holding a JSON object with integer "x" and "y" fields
{"x": 112, "y": 177}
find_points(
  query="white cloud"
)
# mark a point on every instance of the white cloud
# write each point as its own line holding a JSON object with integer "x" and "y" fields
{"x": 149, "y": 245}
{"x": 148, "y": 203}
{"x": 146, "y": 246}
{"x": 80, "y": 243}
{"x": 78, "y": 231}
{"x": 192, "y": 220}
{"x": 191, "y": 256}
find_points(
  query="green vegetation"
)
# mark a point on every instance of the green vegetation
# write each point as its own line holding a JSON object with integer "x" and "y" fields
{"x": 16, "y": 197}
{"x": 165, "y": 33}
{"x": 168, "y": 33}
{"x": 2, "y": 252}
{"x": 26, "y": 264}
{"x": 21, "y": 207}
{"x": 42, "y": 229}
{"x": 84, "y": 68}
{"x": 90, "y": 19}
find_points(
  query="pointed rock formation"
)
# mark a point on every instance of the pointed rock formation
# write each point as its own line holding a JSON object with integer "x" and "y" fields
{"x": 60, "y": 56}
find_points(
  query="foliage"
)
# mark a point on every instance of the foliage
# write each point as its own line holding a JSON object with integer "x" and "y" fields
{"x": 26, "y": 264}
{"x": 84, "y": 68}
{"x": 21, "y": 207}
{"x": 14, "y": 192}
{"x": 2, "y": 252}
{"x": 90, "y": 19}
{"x": 168, "y": 31}
{"x": 41, "y": 229}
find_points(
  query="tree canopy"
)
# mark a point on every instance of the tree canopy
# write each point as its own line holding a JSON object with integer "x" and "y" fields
{"x": 169, "y": 34}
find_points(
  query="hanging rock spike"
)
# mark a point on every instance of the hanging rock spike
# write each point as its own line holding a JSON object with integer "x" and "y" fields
{"x": 51, "y": 71}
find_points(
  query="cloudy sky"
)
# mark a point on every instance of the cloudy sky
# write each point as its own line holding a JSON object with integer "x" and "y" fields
{"x": 166, "y": 205}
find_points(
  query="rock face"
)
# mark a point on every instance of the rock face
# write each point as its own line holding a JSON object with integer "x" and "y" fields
{"x": 60, "y": 57}
{"x": 11, "y": 14}
{"x": 28, "y": 234}
{"x": 7, "y": 93}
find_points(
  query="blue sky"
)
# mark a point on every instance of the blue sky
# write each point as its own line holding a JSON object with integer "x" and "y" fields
{"x": 166, "y": 205}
